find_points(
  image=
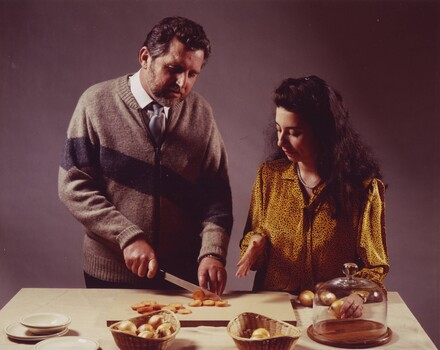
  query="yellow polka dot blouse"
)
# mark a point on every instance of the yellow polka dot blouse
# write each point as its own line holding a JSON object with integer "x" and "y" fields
{"x": 305, "y": 244}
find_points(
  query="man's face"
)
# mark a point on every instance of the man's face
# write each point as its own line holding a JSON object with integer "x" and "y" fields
{"x": 169, "y": 78}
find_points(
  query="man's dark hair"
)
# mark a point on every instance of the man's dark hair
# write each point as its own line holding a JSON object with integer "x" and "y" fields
{"x": 186, "y": 31}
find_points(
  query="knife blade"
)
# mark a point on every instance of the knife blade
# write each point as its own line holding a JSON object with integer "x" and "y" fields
{"x": 188, "y": 285}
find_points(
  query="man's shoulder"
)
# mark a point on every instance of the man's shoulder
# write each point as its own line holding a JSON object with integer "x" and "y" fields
{"x": 194, "y": 107}
{"x": 105, "y": 87}
{"x": 195, "y": 99}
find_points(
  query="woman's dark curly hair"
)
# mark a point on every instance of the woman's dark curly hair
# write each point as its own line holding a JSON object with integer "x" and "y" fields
{"x": 186, "y": 31}
{"x": 344, "y": 161}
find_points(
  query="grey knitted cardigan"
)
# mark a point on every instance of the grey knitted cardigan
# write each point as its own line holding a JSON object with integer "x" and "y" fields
{"x": 119, "y": 185}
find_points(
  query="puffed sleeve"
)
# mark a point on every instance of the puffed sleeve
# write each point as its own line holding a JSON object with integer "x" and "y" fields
{"x": 372, "y": 238}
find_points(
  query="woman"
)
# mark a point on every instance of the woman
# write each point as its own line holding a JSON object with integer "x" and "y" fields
{"x": 319, "y": 203}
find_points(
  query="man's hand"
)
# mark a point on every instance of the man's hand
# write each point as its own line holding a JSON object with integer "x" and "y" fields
{"x": 212, "y": 275}
{"x": 254, "y": 250}
{"x": 140, "y": 258}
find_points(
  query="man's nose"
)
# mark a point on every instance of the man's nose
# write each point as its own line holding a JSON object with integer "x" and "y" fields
{"x": 181, "y": 80}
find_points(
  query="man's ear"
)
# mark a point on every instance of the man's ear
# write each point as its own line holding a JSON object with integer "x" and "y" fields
{"x": 143, "y": 56}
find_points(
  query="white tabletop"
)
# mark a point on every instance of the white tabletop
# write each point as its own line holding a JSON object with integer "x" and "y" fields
{"x": 88, "y": 309}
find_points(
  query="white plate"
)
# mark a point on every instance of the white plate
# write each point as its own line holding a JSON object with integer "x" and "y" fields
{"x": 19, "y": 332}
{"x": 45, "y": 322}
{"x": 67, "y": 343}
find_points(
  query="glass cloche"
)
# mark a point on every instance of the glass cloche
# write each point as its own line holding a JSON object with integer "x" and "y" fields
{"x": 367, "y": 328}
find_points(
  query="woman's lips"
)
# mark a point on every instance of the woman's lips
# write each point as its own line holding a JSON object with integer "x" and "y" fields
{"x": 288, "y": 154}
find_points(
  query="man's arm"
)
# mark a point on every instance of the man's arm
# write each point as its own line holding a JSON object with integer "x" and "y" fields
{"x": 80, "y": 189}
{"x": 216, "y": 215}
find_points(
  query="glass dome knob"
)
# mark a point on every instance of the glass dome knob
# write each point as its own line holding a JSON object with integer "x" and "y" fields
{"x": 350, "y": 270}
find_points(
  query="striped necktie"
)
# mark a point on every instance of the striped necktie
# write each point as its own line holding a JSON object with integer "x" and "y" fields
{"x": 157, "y": 120}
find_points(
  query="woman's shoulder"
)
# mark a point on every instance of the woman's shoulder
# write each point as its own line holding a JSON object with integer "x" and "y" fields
{"x": 375, "y": 188}
{"x": 277, "y": 165}
{"x": 374, "y": 183}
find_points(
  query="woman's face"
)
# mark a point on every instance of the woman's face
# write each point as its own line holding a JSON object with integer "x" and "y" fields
{"x": 295, "y": 137}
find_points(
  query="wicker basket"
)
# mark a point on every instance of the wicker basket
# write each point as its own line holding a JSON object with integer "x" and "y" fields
{"x": 127, "y": 341}
{"x": 283, "y": 336}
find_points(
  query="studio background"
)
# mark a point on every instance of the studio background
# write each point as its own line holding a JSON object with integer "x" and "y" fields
{"x": 382, "y": 55}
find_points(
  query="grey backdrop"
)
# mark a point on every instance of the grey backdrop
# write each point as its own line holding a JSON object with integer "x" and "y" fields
{"x": 383, "y": 56}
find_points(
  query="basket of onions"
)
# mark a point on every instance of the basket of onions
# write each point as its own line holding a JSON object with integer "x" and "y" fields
{"x": 155, "y": 330}
{"x": 251, "y": 331}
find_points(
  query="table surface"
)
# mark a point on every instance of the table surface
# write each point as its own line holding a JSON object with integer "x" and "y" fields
{"x": 88, "y": 309}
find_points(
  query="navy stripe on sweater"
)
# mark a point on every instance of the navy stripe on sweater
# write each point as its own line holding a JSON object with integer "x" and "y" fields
{"x": 138, "y": 175}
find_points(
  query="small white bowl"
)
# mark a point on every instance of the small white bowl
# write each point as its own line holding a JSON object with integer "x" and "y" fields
{"x": 45, "y": 322}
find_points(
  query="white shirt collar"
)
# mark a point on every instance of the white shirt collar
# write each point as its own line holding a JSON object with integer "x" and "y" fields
{"x": 141, "y": 96}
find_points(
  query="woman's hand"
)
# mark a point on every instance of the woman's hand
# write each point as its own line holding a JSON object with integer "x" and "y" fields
{"x": 254, "y": 250}
{"x": 352, "y": 307}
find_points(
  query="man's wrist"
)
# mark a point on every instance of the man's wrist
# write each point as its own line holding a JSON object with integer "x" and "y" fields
{"x": 213, "y": 256}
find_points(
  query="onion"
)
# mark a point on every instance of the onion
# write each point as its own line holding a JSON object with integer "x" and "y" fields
{"x": 335, "y": 307}
{"x": 260, "y": 333}
{"x": 327, "y": 298}
{"x": 127, "y": 327}
{"x": 145, "y": 327}
{"x": 306, "y": 298}
{"x": 146, "y": 334}
{"x": 155, "y": 321}
{"x": 198, "y": 295}
{"x": 196, "y": 303}
{"x": 164, "y": 330}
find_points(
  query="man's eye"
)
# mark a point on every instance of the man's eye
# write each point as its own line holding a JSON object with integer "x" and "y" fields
{"x": 173, "y": 69}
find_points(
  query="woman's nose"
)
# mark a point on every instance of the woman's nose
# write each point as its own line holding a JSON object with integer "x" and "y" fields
{"x": 280, "y": 140}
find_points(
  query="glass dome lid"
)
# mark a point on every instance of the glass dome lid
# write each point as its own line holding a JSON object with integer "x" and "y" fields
{"x": 350, "y": 312}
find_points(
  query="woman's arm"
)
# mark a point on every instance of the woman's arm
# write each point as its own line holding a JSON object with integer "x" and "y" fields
{"x": 372, "y": 248}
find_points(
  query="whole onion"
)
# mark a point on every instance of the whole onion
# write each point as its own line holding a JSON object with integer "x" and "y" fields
{"x": 326, "y": 297}
{"x": 260, "y": 333}
{"x": 336, "y": 307}
{"x": 306, "y": 298}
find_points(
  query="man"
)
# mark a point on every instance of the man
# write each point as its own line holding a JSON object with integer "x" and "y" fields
{"x": 149, "y": 181}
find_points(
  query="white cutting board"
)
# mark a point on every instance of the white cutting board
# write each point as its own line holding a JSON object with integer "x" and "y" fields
{"x": 276, "y": 305}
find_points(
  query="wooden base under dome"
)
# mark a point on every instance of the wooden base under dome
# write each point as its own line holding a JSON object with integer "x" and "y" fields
{"x": 352, "y": 334}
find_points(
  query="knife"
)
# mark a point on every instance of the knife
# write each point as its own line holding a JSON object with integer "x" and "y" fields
{"x": 188, "y": 285}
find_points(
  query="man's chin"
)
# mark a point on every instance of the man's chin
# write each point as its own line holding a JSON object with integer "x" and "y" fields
{"x": 170, "y": 102}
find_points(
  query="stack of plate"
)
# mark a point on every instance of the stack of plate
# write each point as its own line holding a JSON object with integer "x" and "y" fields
{"x": 39, "y": 326}
{"x": 46, "y": 328}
